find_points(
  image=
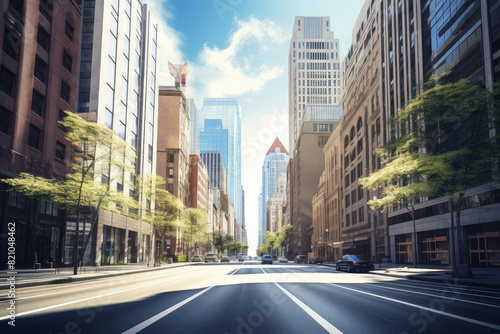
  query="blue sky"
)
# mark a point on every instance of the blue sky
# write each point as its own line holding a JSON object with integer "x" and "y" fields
{"x": 239, "y": 48}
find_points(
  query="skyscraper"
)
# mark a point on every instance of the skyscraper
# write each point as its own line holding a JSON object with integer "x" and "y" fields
{"x": 313, "y": 70}
{"x": 273, "y": 170}
{"x": 229, "y": 113}
{"x": 118, "y": 88}
{"x": 194, "y": 141}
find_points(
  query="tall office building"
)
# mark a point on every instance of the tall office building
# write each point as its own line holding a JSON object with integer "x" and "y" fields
{"x": 38, "y": 75}
{"x": 229, "y": 113}
{"x": 194, "y": 140}
{"x": 118, "y": 88}
{"x": 215, "y": 168}
{"x": 273, "y": 169}
{"x": 313, "y": 70}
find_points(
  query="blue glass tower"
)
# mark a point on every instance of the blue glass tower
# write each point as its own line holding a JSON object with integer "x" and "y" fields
{"x": 224, "y": 111}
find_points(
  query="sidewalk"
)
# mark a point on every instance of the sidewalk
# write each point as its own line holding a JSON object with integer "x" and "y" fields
{"x": 34, "y": 277}
{"x": 482, "y": 277}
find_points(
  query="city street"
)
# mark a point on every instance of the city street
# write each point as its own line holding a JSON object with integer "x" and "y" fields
{"x": 247, "y": 297}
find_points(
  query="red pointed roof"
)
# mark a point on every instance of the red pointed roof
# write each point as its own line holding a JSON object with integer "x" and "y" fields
{"x": 277, "y": 143}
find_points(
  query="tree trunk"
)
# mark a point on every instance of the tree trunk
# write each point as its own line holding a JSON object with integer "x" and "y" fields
{"x": 463, "y": 269}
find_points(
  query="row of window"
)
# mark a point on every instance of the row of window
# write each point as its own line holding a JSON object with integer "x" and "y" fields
{"x": 354, "y": 196}
{"x": 318, "y": 75}
{"x": 315, "y": 45}
{"x": 355, "y": 217}
{"x": 319, "y": 66}
{"x": 353, "y": 174}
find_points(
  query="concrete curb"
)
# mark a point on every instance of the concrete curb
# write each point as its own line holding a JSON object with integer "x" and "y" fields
{"x": 85, "y": 278}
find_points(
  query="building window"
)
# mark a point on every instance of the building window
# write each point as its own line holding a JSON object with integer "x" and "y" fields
{"x": 360, "y": 192}
{"x": 62, "y": 115}
{"x": 108, "y": 119}
{"x": 34, "y": 136}
{"x": 60, "y": 151}
{"x": 150, "y": 152}
{"x": 6, "y": 81}
{"x": 42, "y": 38}
{"x": 17, "y": 5}
{"x": 360, "y": 169}
{"x": 46, "y": 8}
{"x": 353, "y": 196}
{"x": 37, "y": 102}
{"x": 4, "y": 119}
{"x": 11, "y": 42}
{"x": 40, "y": 68}
{"x": 347, "y": 201}
{"x": 361, "y": 212}
{"x": 170, "y": 172}
{"x": 69, "y": 30}
{"x": 171, "y": 158}
{"x": 67, "y": 61}
{"x": 65, "y": 90}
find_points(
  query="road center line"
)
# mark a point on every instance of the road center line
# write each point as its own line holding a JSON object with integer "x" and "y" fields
{"x": 153, "y": 319}
{"x": 319, "y": 319}
{"x": 477, "y": 322}
{"x": 90, "y": 298}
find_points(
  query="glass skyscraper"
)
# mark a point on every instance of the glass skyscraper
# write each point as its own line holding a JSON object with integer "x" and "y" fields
{"x": 225, "y": 112}
{"x": 273, "y": 169}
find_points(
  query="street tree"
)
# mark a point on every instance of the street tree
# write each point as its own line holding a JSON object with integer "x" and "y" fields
{"x": 448, "y": 143}
{"x": 100, "y": 159}
{"x": 195, "y": 227}
{"x": 283, "y": 238}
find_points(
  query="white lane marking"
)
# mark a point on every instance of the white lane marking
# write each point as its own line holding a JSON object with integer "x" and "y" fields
{"x": 477, "y": 322}
{"x": 449, "y": 285}
{"x": 439, "y": 296}
{"x": 319, "y": 319}
{"x": 90, "y": 298}
{"x": 462, "y": 293}
{"x": 82, "y": 288}
{"x": 155, "y": 318}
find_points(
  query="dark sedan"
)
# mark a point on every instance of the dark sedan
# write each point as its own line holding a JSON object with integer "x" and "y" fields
{"x": 315, "y": 260}
{"x": 354, "y": 263}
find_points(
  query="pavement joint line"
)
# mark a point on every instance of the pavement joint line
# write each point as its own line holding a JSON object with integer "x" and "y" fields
{"x": 455, "y": 286}
{"x": 65, "y": 291}
{"x": 462, "y": 293}
{"x": 451, "y": 315}
{"x": 428, "y": 294}
{"x": 319, "y": 319}
{"x": 89, "y": 298}
{"x": 139, "y": 327}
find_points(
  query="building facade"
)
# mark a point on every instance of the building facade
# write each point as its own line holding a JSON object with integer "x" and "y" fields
{"x": 313, "y": 70}
{"x": 118, "y": 88}
{"x": 217, "y": 174}
{"x": 199, "y": 183}
{"x": 273, "y": 170}
{"x": 38, "y": 80}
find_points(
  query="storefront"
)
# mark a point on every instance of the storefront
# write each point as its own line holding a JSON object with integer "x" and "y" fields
{"x": 434, "y": 247}
{"x": 484, "y": 245}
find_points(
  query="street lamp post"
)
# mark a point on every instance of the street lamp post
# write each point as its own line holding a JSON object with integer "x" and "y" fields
{"x": 376, "y": 235}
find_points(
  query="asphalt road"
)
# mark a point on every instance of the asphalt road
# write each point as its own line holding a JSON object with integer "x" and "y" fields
{"x": 248, "y": 298}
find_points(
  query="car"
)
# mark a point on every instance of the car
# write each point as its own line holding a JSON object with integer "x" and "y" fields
{"x": 211, "y": 257}
{"x": 283, "y": 259}
{"x": 197, "y": 258}
{"x": 315, "y": 260}
{"x": 225, "y": 259}
{"x": 267, "y": 259}
{"x": 300, "y": 259}
{"x": 241, "y": 258}
{"x": 354, "y": 263}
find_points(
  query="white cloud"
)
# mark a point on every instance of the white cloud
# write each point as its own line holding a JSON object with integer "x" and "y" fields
{"x": 232, "y": 71}
{"x": 169, "y": 41}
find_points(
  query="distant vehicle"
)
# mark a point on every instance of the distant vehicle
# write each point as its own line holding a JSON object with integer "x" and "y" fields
{"x": 241, "y": 258}
{"x": 197, "y": 258}
{"x": 225, "y": 259}
{"x": 354, "y": 263}
{"x": 258, "y": 258}
{"x": 211, "y": 257}
{"x": 315, "y": 260}
{"x": 300, "y": 259}
{"x": 267, "y": 259}
{"x": 283, "y": 259}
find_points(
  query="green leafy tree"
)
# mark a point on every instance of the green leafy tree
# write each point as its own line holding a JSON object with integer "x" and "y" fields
{"x": 195, "y": 227}
{"x": 283, "y": 238}
{"x": 220, "y": 241}
{"x": 448, "y": 144}
{"x": 100, "y": 159}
